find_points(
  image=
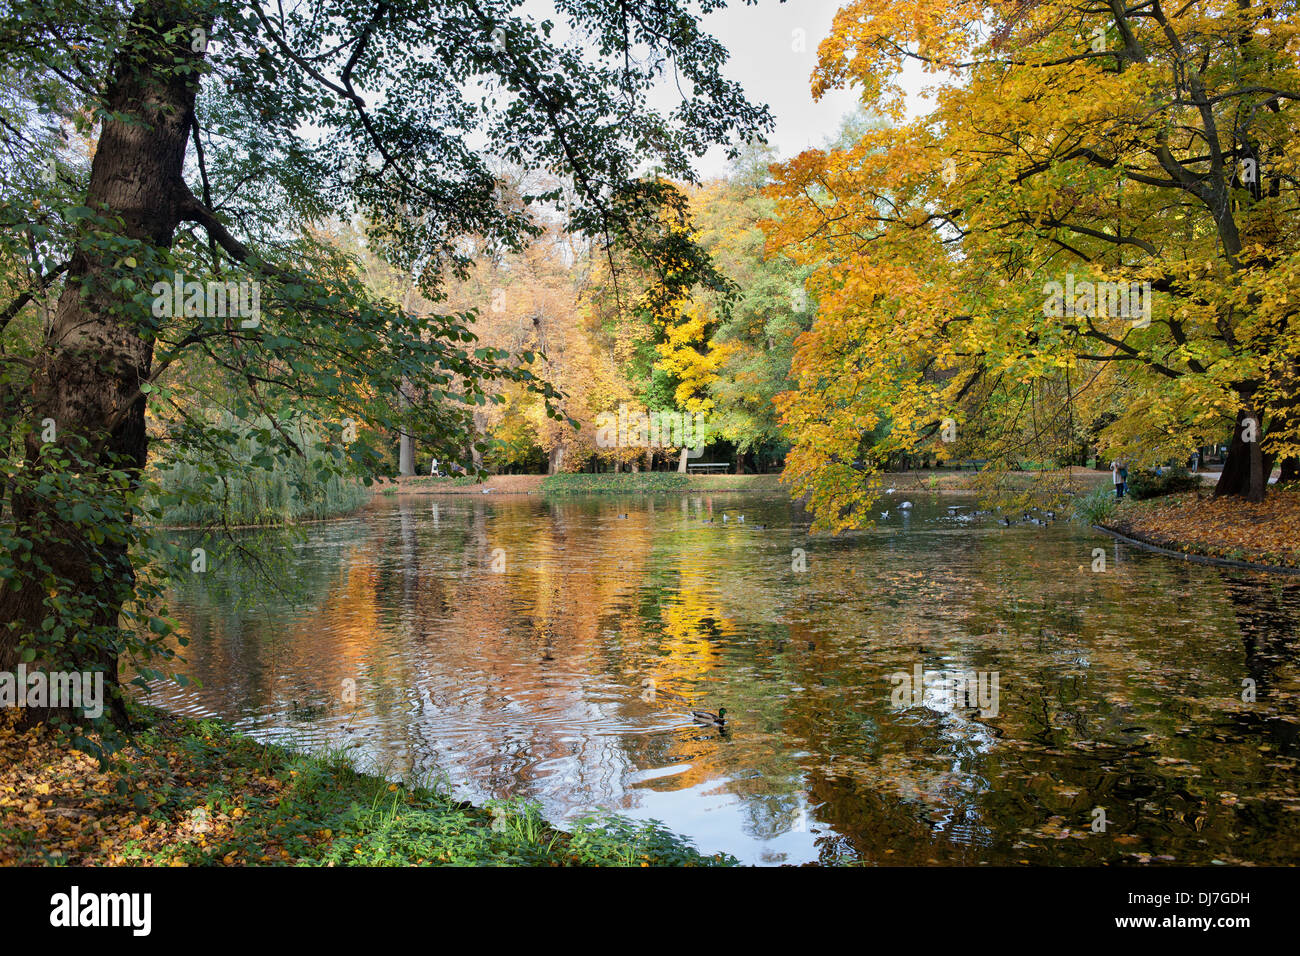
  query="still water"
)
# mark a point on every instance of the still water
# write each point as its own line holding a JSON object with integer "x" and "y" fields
{"x": 502, "y": 642}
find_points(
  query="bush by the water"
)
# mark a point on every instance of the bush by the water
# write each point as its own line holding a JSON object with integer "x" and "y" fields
{"x": 295, "y": 488}
{"x": 1147, "y": 484}
{"x": 1096, "y": 506}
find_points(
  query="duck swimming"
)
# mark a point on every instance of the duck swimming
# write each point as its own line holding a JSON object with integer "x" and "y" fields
{"x": 714, "y": 720}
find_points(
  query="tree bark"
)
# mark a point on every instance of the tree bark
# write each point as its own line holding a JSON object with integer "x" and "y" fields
{"x": 1246, "y": 469}
{"x": 96, "y": 359}
{"x": 405, "y": 442}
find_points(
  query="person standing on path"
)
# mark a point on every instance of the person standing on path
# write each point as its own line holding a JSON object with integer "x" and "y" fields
{"x": 1119, "y": 482}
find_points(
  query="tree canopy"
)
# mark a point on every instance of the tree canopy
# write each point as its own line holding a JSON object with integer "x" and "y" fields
{"x": 969, "y": 262}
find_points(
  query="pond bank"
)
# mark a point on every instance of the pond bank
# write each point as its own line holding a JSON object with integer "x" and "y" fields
{"x": 1238, "y": 533}
{"x": 199, "y": 794}
{"x": 651, "y": 482}
{"x": 644, "y": 482}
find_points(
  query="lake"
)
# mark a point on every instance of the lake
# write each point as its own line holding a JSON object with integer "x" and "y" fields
{"x": 939, "y": 689}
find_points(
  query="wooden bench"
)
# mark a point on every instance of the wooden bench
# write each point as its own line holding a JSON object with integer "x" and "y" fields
{"x": 708, "y": 466}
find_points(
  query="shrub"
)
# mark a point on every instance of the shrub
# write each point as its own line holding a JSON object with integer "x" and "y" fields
{"x": 1147, "y": 484}
{"x": 1096, "y": 506}
{"x": 294, "y": 489}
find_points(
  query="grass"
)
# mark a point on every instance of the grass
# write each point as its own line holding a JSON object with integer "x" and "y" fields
{"x": 653, "y": 481}
{"x": 198, "y": 794}
{"x": 621, "y": 483}
{"x": 447, "y": 481}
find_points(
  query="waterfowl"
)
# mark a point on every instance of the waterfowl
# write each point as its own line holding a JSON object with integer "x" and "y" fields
{"x": 741, "y": 519}
{"x": 884, "y": 514}
{"x": 714, "y": 720}
{"x": 724, "y": 519}
{"x": 906, "y": 505}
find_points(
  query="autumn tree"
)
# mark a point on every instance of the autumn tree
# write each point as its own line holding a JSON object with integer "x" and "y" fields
{"x": 970, "y": 263}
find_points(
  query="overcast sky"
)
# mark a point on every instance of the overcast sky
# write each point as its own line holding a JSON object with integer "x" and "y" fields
{"x": 773, "y": 51}
{"x": 767, "y": 60}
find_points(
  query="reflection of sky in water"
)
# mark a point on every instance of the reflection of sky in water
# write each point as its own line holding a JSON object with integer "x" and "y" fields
{"x": 1118, "y": 689}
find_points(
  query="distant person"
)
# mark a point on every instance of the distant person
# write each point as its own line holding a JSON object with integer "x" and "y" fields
{"x": 433, "y": 469}
{"x": 1123, "y": 479}
{"x": 1196, "y": 461}
{"x": 1119, "y": 482}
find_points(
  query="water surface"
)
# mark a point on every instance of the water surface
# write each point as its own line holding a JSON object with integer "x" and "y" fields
{"x": 503, "y": 641}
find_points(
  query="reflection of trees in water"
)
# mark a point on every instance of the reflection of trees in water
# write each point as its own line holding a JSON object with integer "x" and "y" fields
{"x": 528, "y": 682}
{"x": 1267, "y": 612}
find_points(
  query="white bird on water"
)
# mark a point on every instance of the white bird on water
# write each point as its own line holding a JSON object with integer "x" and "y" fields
{"x": 884, "y": 514}
{"x": 906, "y": 505}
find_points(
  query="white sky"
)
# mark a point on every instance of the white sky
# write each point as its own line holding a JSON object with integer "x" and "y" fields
{"x": 764, "y": 59}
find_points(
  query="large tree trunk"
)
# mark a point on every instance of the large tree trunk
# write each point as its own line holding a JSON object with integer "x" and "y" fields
{"x": 1246, "y": 470}
{"x": 95, "y": 358}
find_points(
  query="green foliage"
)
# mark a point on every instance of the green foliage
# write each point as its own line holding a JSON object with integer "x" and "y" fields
{"x": 1145, "y": 483}
{"x": 770, "y": 309}
{"x": 447, "y": 481}
{"x": 608, "y": 840}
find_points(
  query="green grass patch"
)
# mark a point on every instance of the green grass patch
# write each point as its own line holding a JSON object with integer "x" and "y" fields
{"x": 609, "y": 482}
{"x": 446, "y": 481}
{"x": 654, "y": 481}
{"x": 1096, "y": 506}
